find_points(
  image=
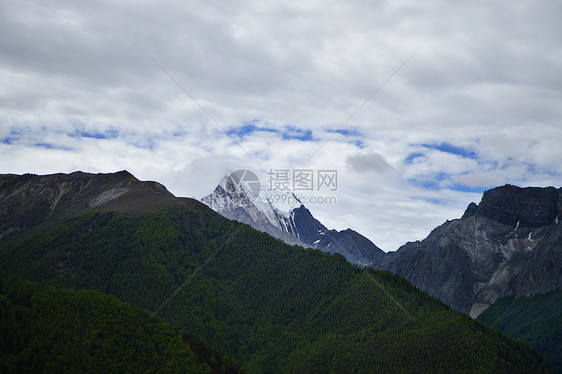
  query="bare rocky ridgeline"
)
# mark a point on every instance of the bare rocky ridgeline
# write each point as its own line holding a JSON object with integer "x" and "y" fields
{"x": 28, "y": 200}
{"x": 508, "y": 245}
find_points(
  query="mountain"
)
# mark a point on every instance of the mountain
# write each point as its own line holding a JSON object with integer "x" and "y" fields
{"x": 298, "y": 226}
{"x": 499, "y": 247}
{"x": 235, "y": 200}
{"x": 28, "y": 200}
{"x": 508, "y": 245}
{"x": 269, "y": 306}
{"x": 534, "y": 320}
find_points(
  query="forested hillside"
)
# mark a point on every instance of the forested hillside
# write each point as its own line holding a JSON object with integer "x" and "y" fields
{"x": 270, "y": 306}
{"x": 536, "y": 321}
{"x": 47, "y": 330}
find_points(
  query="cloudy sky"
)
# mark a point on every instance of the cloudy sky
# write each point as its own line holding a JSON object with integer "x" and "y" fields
{"x": 419, "y": 106}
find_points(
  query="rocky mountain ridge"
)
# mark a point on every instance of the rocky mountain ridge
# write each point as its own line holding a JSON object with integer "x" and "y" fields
{"x": 508, "y": 245}
{"x": 269, "y": 306}
{"x": 28, "y": 200}
{"x": 298, "y": 226}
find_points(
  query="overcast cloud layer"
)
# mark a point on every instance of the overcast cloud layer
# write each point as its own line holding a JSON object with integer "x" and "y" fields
{"x": 95, "y": 86}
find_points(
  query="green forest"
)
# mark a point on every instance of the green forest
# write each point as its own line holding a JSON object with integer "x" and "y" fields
{"x": 269, "y": 306}
{"x": 535, "y": 321}
{"x": 45, "y": 330}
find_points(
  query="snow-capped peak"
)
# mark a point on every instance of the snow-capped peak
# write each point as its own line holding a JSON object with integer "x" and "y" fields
{"x": 282, "y": 215}
{"x": 238, "y": 192}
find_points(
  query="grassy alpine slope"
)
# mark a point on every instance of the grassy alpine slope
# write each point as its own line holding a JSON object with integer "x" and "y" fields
{"x": 270, "y": 306}
{"x": 535, "y": 320}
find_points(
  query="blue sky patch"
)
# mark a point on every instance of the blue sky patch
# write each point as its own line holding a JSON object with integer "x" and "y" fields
{"x": 248, "y": 128}
{"x": 429, "y": 183}
{"x": 8, "y": 140}
{"x": 434, "y": 184}
{"x": 179, "y": 133}
{"x": 287, "y": 133}
{"x": 148, "y": 142}
{"x": 359, "y": 143}
{"x": 346, "y": 132}
{"x": 15, "y": 134}
{"x": 449, "y": 148}
{"x": 53, "y": 146}
{"x": 531, "y": 168}
{"x": 296, "y": 133}
{"x": 351, "y": 133}
{"x": 464, "y": 188}
{"x": 412, "y": 156}
{"x": 109, "y": 134}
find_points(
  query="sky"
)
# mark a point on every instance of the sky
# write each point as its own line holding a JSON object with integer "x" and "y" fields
{"x": 418, "y": 106}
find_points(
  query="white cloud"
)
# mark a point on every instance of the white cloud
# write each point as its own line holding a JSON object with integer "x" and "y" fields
{"x": 479, "y": 179}
{"x": 368, "y": 163}
{"x": 79, "y": 91}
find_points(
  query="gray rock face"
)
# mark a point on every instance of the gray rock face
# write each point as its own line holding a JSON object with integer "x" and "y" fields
{"x": 508, "y": 245}
{"x": 296, "y": 227}
{"x": 308, "y": 228}
{"x": 231, "y": 201}
{"x": 28, "y": 200}
{"x": 356, "y": 248}
{"x": 532, "y": 206}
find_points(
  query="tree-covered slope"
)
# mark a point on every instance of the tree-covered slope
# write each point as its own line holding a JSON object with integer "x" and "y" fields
{"x": 45, "y": 330}
{"x": 535, "y": 320}
{"x": 270, "y": 306}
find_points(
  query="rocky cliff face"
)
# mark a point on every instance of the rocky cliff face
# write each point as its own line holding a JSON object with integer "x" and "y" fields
{"x": 511, "y": 205}
{"x": 233, "y": 200}
{"x": 298, "y": 226}
{"x": 28, "y": 200}
{"x": 508, "y": 245}
{"x": 356, "y": 248}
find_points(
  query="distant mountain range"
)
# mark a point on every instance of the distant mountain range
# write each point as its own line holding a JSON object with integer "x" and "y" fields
{"x": 268, "y": 306}
{"x": 508, "y": 245}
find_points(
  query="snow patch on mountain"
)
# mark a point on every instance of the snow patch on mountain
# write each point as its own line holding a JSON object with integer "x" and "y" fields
{"x": 294, "y": 224}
